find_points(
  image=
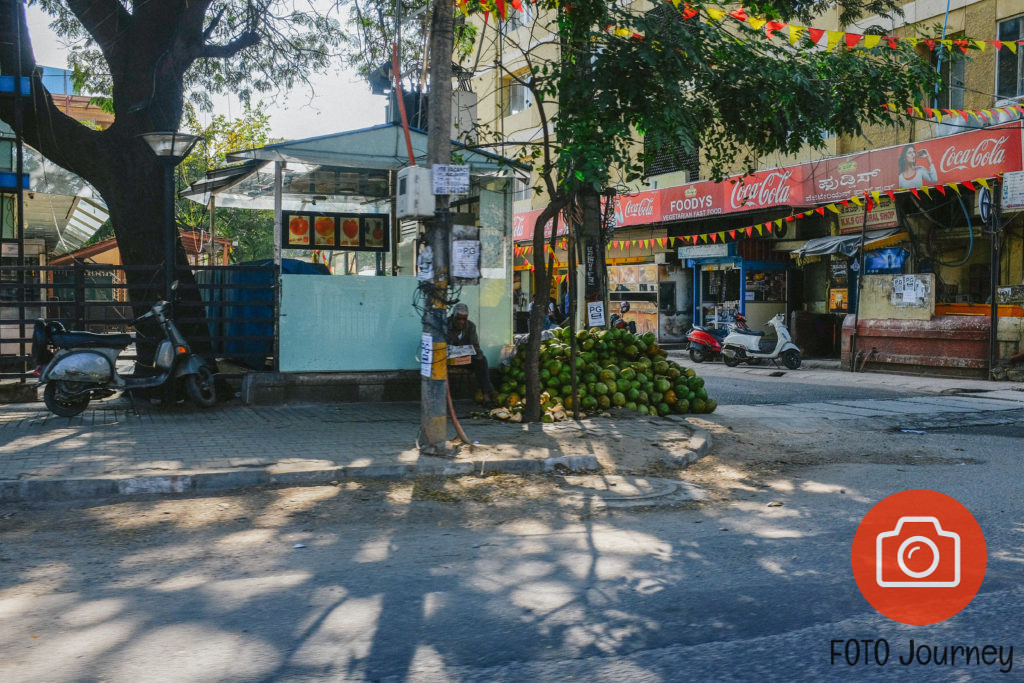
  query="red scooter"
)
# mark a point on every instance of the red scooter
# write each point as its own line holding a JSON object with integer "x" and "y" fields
{"x": 706, "y": 342}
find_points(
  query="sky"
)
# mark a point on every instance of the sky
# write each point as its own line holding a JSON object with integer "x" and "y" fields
{"x": 341, "y": 101}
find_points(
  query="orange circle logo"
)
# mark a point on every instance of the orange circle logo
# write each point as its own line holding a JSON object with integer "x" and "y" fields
{"x": 918, "y": 557}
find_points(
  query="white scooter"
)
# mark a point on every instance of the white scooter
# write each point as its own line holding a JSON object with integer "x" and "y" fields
{"x": 743, "y": 345}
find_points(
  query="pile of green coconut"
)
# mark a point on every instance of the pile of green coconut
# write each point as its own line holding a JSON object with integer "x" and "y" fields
{"x": 614, "y": 369}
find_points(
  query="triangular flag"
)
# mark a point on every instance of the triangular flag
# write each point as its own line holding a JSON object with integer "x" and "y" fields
{"x": 912, "y": 40}
{"x": 615, "y": 244}
{"x": 771, "y": 27}
{"x": 891, "y": 41}
{"x": 760, "y": 229}
{"x": 738, "y": 15}
{"x": 845, "y": 202}
{"x": 852, "y": 39}
{"x": 695, "y": 238}
{"x": 984, "y": 183}
{"x": 815, "y": 34}
{"x": 820, "y": 210}
{"x": 927, "y": 192}
{"x": 913, "y": 191}
{"x": 954, "y": 187}
{"x": 689, "y": 12}
{"x": 756, "y": 23}
{"x": 778, "y": 222}
{"x": 714, "y": 237}
{"x": 768, "y": 227}
{"x": 704, "y": 238}
{"x": 941, "y": 190}
{"x": 721, "y": 235}
{"x": 716, "y": 14}
{"x": 794, "y": 33}
{"x": 790, "y": 218}
{"x": 857, "y": 201}
{"x": 891, "y": 194}
{"x": 807, "y": 214}
{"x": 750, "y": 229}
{"x": 833, "y": 208}
{"x": 871, "y": 41}
{"x": 732, "y": 234}
{"x": 1011, "y": 46}
{"x": 876, "y": 195}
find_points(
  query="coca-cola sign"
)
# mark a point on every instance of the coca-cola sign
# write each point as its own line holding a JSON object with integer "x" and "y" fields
{"x": 985, "y": 153}
{"x": 523, "y": 224}
{"x": 768, "y": 188}
{"x": 637, "y": 209}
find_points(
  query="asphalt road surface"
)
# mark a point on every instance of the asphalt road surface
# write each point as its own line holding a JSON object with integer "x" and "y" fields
{"x": 509, "y": 579}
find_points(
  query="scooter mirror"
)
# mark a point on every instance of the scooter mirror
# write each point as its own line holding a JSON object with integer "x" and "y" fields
{"x": 174, "y": 286}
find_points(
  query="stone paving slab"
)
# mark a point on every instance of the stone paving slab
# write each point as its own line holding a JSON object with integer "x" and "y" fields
{"x": 110, "y": 449}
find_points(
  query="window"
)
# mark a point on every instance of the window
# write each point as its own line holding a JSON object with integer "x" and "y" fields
{"x": 518, "y": 19}
{"x": 952, "y": 87}
{"x": 517, "y": 97}
{"x": 521, "y": 190}
{"x": 1010, "y": 67}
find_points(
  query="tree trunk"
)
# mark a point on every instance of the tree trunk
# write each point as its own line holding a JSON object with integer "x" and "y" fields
{"x": 541, "y": 286}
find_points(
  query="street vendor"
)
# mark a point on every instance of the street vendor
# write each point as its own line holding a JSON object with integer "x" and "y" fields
{"x": 462, "y": 332}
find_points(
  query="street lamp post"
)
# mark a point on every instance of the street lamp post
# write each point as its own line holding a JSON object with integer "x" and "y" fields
{"x": 170, "y": 148}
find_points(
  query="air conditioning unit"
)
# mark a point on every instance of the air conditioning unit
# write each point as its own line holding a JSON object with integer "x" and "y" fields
{"x": 414, "y": 197}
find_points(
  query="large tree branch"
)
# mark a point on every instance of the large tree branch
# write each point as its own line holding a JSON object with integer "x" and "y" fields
{"x": 247, "y": 39}
{"x": 43, "y": 125}
{"x": 105, "y": 20}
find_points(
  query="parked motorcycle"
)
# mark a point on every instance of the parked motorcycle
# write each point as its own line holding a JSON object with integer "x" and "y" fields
{"x": 705, "y": 342}
{"x": 619, "y": 322}
{"x": 745, "y": 345}
{"x": 76, "y": 367}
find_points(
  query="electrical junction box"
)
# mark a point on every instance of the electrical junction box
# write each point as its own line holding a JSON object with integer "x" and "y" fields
{"x": 415, "y": 193}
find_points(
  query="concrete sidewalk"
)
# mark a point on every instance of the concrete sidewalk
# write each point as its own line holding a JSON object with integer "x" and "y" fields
{"x": 110, "y": 450}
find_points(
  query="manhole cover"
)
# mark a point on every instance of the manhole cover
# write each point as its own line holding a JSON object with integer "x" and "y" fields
{"x": 625, "y": 490}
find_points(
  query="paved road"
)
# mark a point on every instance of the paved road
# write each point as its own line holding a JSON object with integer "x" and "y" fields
{"x": 391, "y": 585}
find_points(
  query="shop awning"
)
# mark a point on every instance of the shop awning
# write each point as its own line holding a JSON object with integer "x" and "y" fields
{"x": 844, "y": 244}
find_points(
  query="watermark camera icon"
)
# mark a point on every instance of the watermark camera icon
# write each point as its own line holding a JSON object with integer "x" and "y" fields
{"x": 925, "y": 535}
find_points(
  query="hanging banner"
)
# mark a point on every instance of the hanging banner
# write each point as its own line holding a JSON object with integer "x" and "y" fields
{"x": 883, "y": 215}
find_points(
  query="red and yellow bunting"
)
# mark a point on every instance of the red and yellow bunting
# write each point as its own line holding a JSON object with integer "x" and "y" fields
{"x": 982, "y": 116}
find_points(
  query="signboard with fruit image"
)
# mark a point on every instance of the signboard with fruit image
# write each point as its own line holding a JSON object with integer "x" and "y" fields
{"x": 349, "y": 232}
{"x": 337, "y": 231}
{"x": 324, "y": 230}
{"x": 373, "y": 232}
{"x": 298, "y": 231}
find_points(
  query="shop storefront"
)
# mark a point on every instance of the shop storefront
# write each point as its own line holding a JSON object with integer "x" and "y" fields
{"x": 706, "y": 248}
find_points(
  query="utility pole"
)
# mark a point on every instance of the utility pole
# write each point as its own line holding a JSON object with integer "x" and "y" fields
{"x": 434, "y": 389}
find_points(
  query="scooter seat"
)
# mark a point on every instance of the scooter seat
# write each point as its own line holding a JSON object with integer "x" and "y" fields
{"x": 91, "y": 340}
{"x": 752, "y": 333}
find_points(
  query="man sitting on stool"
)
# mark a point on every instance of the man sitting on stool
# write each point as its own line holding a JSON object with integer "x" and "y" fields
{"x": 461, "y": 332}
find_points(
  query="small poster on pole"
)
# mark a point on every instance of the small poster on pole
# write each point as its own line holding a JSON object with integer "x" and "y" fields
{"x": 451, "y": 179}
{"x": 426, "y": 355}
{"x": 595, "y": 313}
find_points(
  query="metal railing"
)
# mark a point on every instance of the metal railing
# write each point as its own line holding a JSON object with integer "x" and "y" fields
{"x": 237, "y": 307}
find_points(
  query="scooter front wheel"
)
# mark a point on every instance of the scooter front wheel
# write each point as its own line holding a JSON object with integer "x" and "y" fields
{"x": 201, "y": 388}
{"x": 698, "y": 354}
{"x": 791, "y": 359}
{"x": 60, "y": 403}
{"x": 731, "y": 361}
